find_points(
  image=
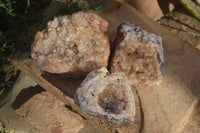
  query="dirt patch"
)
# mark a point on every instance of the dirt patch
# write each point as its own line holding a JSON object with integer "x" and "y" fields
{"x": 183, "y": 25}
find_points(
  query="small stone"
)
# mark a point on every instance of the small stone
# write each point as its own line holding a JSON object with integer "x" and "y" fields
{"x": 139, "y": 55}
{"x": 107, "y": 96}
{"x": 75, "y": 44}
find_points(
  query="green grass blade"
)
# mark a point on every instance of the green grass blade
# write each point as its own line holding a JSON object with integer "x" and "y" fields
{"x": 1, "y": 35}
{"x": 99, "y": 6}
{"x": 2, "y": 90}
{"x": 28, "y": 3}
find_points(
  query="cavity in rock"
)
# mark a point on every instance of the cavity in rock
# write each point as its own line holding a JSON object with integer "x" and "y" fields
{"x": 106, "y": 96}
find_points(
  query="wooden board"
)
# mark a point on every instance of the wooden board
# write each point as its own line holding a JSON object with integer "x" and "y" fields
{"x": 65, "y": 88}
{"x": 165, "y": 108}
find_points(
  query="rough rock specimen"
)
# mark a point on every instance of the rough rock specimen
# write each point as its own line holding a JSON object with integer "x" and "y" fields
{"x": 106, "y": 96}
{"x": 139, "y": 55}
{"x": 74, "y": 44}
{"x": 49, "y": 115}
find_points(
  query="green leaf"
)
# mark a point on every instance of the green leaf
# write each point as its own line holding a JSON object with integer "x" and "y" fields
{"x": 5, "y": 67}
{"x": 3, "y": 129}
{"x": 8, "y": 83}
{"x": 191, "y": 7}
{"x": 3, "y": 54}
{"x": 9, "y": 5}
{"x": 28, "y": 3}
{"x": 2, "y": 90}
{"x": 99, "y": 6}
{"x": 1, "y": 35}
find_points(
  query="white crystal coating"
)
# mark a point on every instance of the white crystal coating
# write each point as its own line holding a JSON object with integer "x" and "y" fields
{"x": 106, "y": 95}
{"x": 72, "y": 44}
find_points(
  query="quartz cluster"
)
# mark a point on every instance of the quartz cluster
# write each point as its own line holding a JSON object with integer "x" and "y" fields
{"x": 75, "y": 44}
{"x": 139, "y": 55}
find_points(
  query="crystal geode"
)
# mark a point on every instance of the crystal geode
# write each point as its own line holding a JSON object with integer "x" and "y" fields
{"x": 75, "y": 44}
{"x": 106, "y": 96}
{"x": 139, "y": 55}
